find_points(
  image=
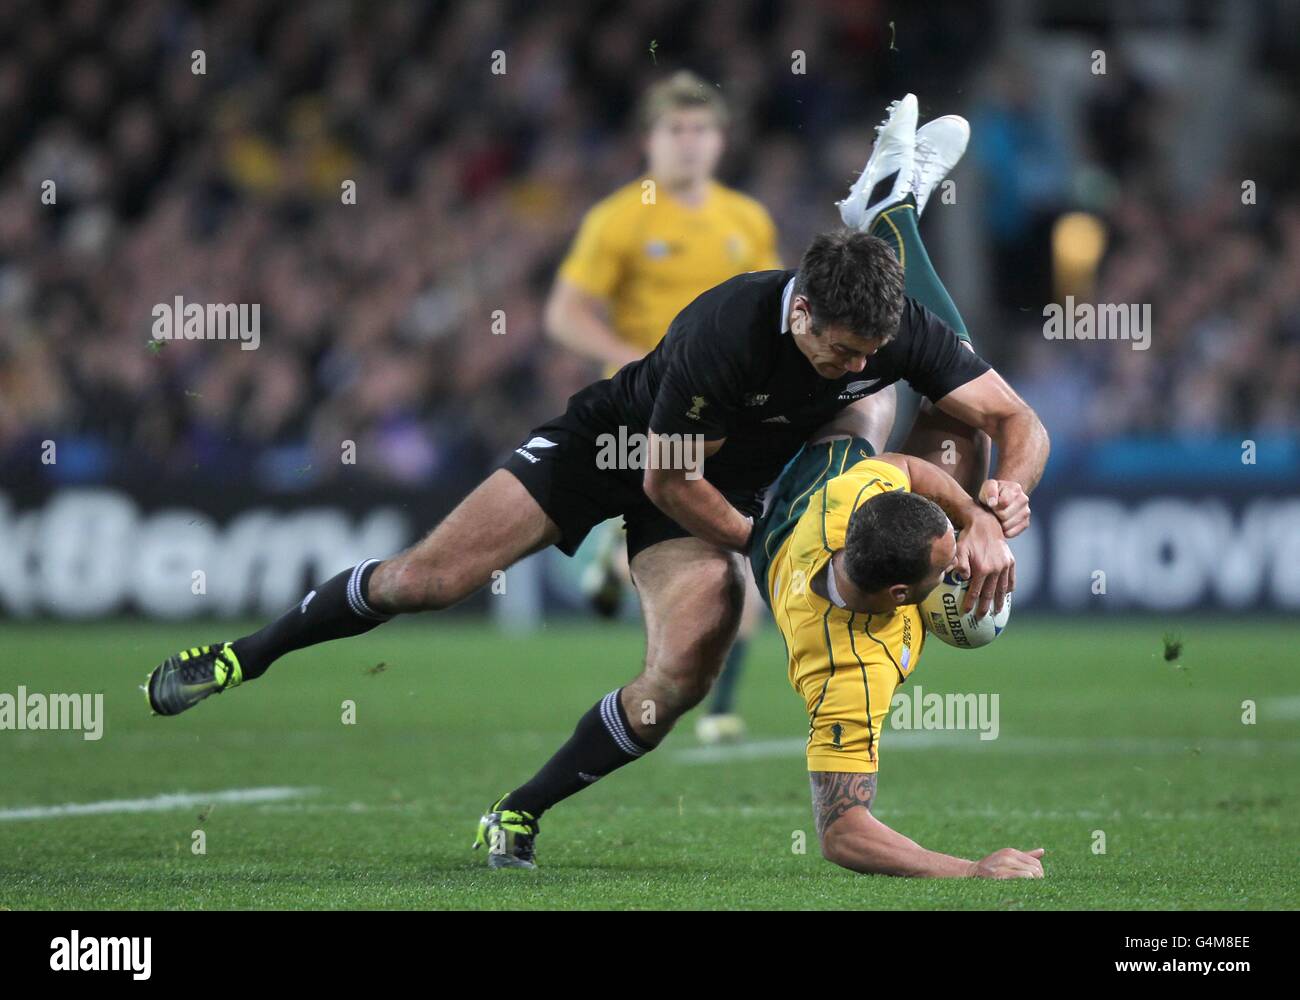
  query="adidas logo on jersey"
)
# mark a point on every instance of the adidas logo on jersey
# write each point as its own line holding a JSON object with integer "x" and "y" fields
{"x": 777, "y": 420}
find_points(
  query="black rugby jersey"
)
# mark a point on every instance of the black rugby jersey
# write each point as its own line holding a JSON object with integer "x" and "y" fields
{"x": 729, "y": 368}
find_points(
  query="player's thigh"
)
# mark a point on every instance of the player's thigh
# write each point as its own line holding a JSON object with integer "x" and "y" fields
{"x": 691, "y": 595}
{"x": 956, "y": 447}
{"x": 491, "y": 529}
{"x": 870, "y": 418}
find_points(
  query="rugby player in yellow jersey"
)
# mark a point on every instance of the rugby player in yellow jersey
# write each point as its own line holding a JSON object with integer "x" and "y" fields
{"x": 850, "y": 543}
{"x": 640, "y": 256}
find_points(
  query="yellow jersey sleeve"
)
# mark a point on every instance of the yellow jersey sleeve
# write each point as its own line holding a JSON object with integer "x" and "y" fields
{"x": 599, "y": 256}
{"x": 848, "y": 491}
{"x": 759, "y": 230}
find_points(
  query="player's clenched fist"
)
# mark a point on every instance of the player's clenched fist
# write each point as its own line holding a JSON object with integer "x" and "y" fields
{"x": 984, "y": 558}
{"x": 1009, "y": 502}
{"x": 1010, "y": 863}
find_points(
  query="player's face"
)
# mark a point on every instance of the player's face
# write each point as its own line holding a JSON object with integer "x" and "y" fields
{"x": 942, "y": 554}
{"x": 834, "y": 351}
{"x": 684, "y": 146}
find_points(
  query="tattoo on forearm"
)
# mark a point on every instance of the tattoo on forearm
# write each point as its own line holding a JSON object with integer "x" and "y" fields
{"x": 837, "y": 792}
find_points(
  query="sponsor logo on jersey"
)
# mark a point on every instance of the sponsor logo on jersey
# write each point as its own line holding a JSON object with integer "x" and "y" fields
{"x": 757, "y": 398}
{"x": 777, "y": 420}
{"x": 536, "y": 444}
{"x": 698, "y": 403}
{"x": 856, "y": 390}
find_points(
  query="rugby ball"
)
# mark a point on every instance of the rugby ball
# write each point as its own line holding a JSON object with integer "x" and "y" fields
{"x": 944, "y": 618}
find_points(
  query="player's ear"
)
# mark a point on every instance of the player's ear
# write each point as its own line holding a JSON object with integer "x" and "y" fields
{"x": 900, "y": 594}
{"x": 800, "y": 316}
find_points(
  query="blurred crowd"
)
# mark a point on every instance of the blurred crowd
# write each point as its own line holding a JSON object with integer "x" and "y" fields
{"x": 397, "y": 209}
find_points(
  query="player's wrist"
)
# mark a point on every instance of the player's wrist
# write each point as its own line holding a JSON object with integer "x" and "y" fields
{"x": 966, "y": 513}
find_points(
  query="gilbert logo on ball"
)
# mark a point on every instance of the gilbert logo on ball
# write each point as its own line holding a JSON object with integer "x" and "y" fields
{"x": 945, "y": 619}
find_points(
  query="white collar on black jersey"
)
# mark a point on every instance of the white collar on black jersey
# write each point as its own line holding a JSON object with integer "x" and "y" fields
{"x": 786, "y": 296}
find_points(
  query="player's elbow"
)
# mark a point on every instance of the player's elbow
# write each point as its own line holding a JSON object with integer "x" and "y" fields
{"x": 660, "y": 486}
{"x": 555, "y": 317}
{"x": 1043, "y": 436}
{"x": 1024, "y": 415}
{"x": 1018, "y": 422}
{"x": 1025, "y": 425}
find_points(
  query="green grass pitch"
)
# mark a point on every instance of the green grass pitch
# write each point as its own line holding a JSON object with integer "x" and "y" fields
{"x": 1097, "y": 733}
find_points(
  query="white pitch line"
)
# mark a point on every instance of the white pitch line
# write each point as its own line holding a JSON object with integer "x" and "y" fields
{"x": 1282, "y": 708}
{"x": 159, "y": 803}
{"x": 970, "y": 742}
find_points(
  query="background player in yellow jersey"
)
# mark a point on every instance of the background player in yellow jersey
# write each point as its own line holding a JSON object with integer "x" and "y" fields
{"x": 641, "y": 255}
{"x": 848, "y": 547}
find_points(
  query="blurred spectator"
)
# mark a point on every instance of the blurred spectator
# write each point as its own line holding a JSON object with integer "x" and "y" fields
{"x": 378, "y": 317}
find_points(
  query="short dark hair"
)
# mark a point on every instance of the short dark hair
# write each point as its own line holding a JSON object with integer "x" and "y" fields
{"x": 889, "y": 540}
{"x": 853, "y": 280}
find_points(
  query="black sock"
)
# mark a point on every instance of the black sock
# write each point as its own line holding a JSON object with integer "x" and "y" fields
{"x": 602, "y": 743}
{"x": 334, "y": 610}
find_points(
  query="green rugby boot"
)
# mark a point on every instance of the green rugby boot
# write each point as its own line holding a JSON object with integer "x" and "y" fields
{"x": 185, "y": 679}
{"x": 509, "y": 837}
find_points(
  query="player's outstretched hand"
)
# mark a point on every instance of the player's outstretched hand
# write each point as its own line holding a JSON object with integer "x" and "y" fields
{"x": 984, "y": 558}
{"x": 1010, "y": 863}
{"x": 1009, "y": 503}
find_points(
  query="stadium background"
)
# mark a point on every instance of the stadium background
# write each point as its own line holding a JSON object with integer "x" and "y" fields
{"x": 378, "y": 328}
{"x": 377, "y": 317}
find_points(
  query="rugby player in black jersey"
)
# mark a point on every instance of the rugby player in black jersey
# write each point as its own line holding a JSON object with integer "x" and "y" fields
{"x": 747, "y": 372}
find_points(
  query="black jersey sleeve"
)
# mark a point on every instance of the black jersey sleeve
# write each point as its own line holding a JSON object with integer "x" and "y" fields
{"x": 930, "y": 355}
{"x": 699, "y": 391}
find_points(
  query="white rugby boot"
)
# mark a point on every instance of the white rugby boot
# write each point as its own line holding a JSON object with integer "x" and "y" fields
{"x": 939, "y": 145}
{"x": 888, "y": 176}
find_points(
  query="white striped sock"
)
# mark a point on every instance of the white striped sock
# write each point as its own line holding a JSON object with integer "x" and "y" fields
{"x": 357, "y": 600}
{"x": 609, "y": 715}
